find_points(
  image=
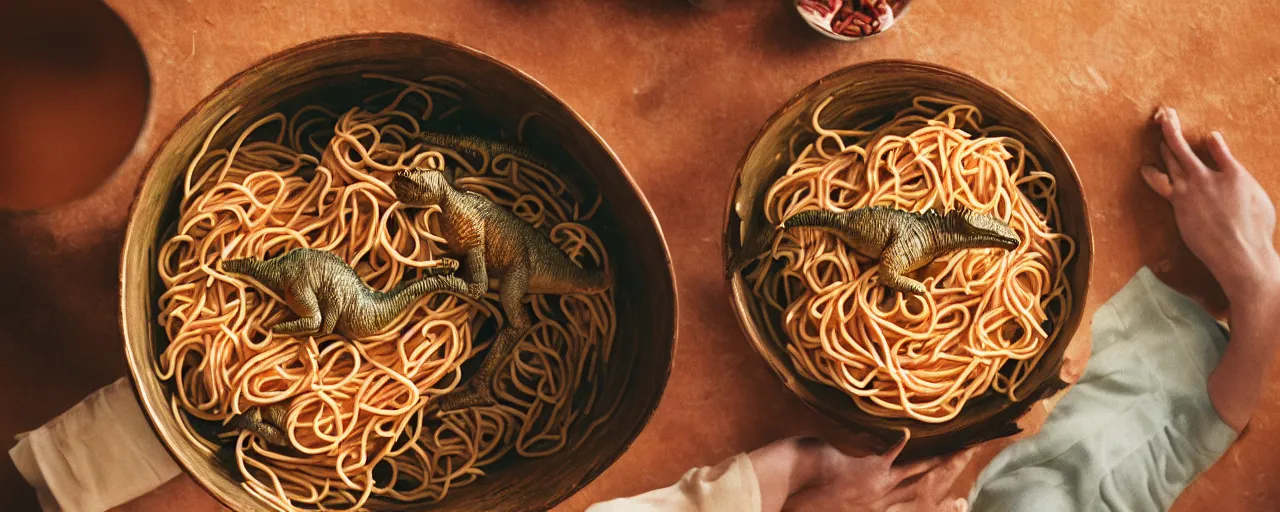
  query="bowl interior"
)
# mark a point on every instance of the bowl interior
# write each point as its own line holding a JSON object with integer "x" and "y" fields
{"x": 497, "y": 98}
{"x": 877, "y": 90}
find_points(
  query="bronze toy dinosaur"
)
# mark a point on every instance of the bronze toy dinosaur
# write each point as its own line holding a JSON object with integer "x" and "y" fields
{"x": 905, "y": 241}
{"x": 494, "y": 242}
{"x": 267, "y": 423}
{"x": 327, "y": 294}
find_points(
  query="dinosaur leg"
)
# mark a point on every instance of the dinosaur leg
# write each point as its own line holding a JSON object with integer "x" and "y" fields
{"x": 304, "y": 303}
{"x": 478, "y": 281}
{"x": 328, "y": 321}
{"x": 901, "y": 283}
{"x": 478, "y": 391}
{"x": 893, "y": 264}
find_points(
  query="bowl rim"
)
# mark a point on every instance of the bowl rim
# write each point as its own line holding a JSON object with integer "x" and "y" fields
{"x": 787, "y": 376}
{"x": 239, "y": 79}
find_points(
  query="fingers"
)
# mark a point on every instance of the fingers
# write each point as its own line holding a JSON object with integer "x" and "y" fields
{"x": 933, "y": 486}
{"x": 936, "y": 483}
{"x": 1172, "y": 129}
{"x": 1221, "y": 153}
{"x": 1158, "y": 181}
{"x": 905, "y": 494}
{"x": 1176, "y": 172}
{"x": 901, "y": 473}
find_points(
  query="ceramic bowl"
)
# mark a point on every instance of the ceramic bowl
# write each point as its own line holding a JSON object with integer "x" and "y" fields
{"x": 867, "y": 91}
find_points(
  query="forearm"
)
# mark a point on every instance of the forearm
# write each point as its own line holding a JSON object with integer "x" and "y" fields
{"x": 180, "y": 493}
{"x": 784, "y": 468}
{"x": 1236, "y": 384}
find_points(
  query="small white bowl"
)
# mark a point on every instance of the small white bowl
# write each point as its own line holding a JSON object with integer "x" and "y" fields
{"x": 822, "y": 25}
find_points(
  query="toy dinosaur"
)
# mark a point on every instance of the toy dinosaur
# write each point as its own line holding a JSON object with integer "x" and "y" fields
{"x": 327, "y": 294}
{"x": 905, "y": 241}
{"x": 483, "y": 148}
{"x": 494, "y": 242}
{"x": 266, "y": 422}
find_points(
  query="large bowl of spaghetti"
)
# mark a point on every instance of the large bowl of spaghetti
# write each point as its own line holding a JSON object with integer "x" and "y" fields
{"x": 961, "y": 363}
{"x": 298, "y": 151}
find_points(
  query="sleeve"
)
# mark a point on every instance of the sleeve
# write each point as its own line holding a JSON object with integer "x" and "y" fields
{"x": 97, "y": 455}
{"x": 730, "y": 486}
{"x": 1139, "y": 426}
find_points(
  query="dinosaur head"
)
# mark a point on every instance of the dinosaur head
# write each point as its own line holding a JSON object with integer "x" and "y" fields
{"x": 268, "y": 422}
{"x": 987, "y": 227}
{"x": 420, "y": 187}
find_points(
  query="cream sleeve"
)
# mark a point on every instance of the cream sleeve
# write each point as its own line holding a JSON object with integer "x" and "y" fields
{"x": 730, "y": 486}
{"x": 97, "y": 455}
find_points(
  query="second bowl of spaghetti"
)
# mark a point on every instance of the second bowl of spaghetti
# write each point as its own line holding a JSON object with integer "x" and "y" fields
{"x": 941, "y": 156}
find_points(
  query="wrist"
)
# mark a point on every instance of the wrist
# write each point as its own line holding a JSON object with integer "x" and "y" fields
{"x": 1258, "y": 289}
{"x": 1257, "y": 303}
{"x": 812, "y": 461}
{"x": 1255, "y": 320}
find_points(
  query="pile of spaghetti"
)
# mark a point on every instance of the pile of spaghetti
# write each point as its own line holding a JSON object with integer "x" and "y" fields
{"x": 360, "y": 421}
{"x": 989, "y": 314}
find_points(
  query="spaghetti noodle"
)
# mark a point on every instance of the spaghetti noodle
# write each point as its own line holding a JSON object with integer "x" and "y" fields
{"x": 989, "y": 314}
{"x": 360, "y": 419}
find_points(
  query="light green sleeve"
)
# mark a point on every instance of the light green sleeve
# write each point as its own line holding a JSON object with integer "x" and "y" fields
{"x": 1136, "y": 429}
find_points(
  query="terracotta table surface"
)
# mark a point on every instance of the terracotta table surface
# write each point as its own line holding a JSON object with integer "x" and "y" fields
{"x": 679, "y": 93}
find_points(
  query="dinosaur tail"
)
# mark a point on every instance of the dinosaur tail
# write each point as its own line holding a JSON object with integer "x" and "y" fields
{"x": 567, "y": 277}
{"x": 822, "y": 219}
{"x": 265, "y": 272}
{"x": 754, "y": 247}
{"x": 478, "y": 146}
{"x": 388, "y": 305}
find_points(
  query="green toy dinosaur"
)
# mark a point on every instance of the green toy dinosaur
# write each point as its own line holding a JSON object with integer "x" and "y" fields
{"x": 327, "y": 294}
{"x": 906, "y": 241}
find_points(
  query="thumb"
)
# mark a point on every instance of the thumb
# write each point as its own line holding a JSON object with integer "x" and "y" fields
{"x": 892, "y": 453}
{"x": 1158, "y": 181}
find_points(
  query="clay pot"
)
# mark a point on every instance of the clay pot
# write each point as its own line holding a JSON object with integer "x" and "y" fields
{"x": 329, "y": 71}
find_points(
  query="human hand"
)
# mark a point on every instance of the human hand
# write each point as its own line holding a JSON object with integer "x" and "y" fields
{"x": 1223, "y": 214}
{"x": 873, "y": 483}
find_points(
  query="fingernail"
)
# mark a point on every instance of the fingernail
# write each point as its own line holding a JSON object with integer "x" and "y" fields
{"x": 1218, "y": 135}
